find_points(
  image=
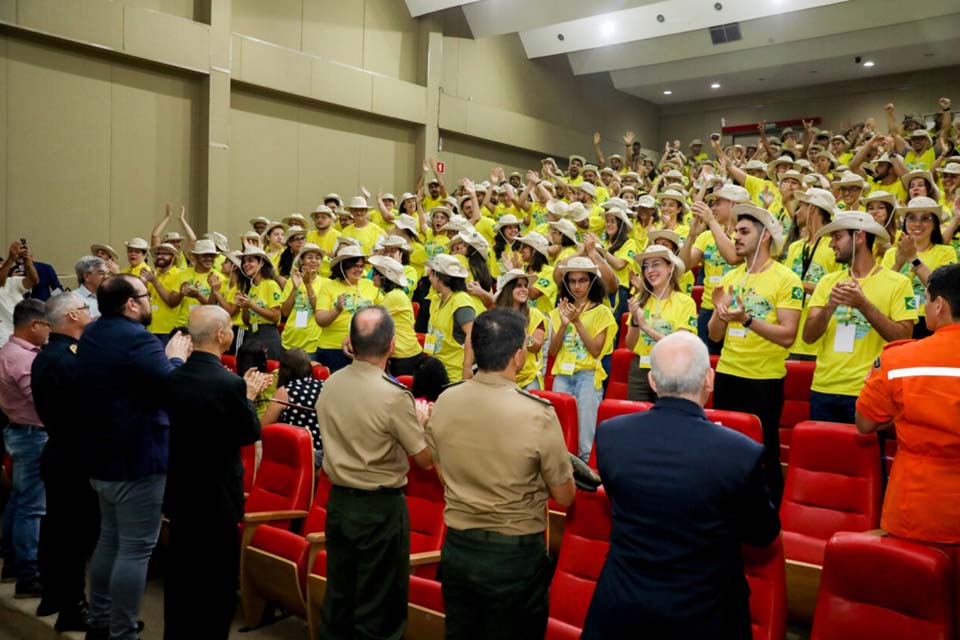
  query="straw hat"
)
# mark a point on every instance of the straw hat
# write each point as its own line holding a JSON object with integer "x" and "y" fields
{"x": 388, "y": 196}
{"x": 335, "y": 197}
{"x": 767, "y": 219}
{"x": 620, "y": 215}
{"x": 474, "y": 240}
{"x": 104, "y": 247}
{"x": 407, "y": 223}
{"x": 576, "y": 157}
{"x": 506, "y": 220}
{"x": 293, "y": 232}
{"x": 646, "y": 202}
{"x": 660, "y": 251}
{"x": 234, "y": 257}
{"x": 671, "y": 194}
{"x": 358, "y": 202}
{"x": 271, "y": 226}
{"x": 849, "y": 179}
{"x": 443, "y": 210}
{"x": 447, "y": 265}
{"x": 579, "y": 263}
{"x": 817, "y": 197}
{"x": 259, "y": 220}
{"x": 926, "y": 175}
{"x": 557, "y": 208}
{"x": 615, "y": 202}
{"x": 953, "y": 168}
{"x": 296, "y": 219}
{"x": 137, "y": 243}
{"x": 508, "y": 277}
{"x": 732, "y": 192}
{"x": 667, "y": 234}
{"x": 254, "y": 251}
{"x": 390, "y": 269}
{"x": 923, "y": 204}
{"x": 304, "y": 250}
{"x": 565, "y": 227}
{"x": 772, "y": 166}
{"x": 879, "y": 195}
{"x": 166, "y": 247}
{"x": 347, "y": 252}
{"x": 577, "y": 212}
{"x": 588, "y": 189}
{"x": 456, "y": 223}
{"x": 322, "y": 208}
{"x": 854, "y": 221}
{"x": 537, "y": 242}
{"x": 172, "y": 236}
{"x": 392, "y": 241}
{"x": 204, "y": 247}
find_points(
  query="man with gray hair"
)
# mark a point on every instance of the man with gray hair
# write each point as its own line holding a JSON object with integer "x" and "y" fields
{"x": 91, "y": 271}
{"x": 685, "y": 494}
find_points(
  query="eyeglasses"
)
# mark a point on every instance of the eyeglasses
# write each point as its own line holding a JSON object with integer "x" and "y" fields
{"x": 85, "y": 307}
{"x": 298, "y": 239}
{"x": 923, "y": 219}
{"x": 142, "y": 295}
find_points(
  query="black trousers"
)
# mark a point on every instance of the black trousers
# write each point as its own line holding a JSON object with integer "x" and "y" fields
{"x": 68, "y": 534}
{"x": 638, "y": 384}
{"x": 764, "y": 399}
{"x": 200, "y": 584}
{"x": 368, "y": 565}
{"x": 495, "y": 588}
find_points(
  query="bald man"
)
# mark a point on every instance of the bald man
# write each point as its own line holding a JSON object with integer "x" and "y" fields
{"x": 211, "y": 417}
{"x": 686, "y": 493}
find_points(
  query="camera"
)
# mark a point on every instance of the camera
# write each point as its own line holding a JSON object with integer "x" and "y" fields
{"x": 857, "y": 59}
{"x": 715, "y": 136}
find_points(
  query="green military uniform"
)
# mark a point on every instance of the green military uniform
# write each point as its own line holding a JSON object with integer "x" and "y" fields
{"x": 498, "y": 448}
{"x": 368, "y": 424}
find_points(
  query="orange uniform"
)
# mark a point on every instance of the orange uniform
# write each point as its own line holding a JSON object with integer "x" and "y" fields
{"x": 917, "y": 385}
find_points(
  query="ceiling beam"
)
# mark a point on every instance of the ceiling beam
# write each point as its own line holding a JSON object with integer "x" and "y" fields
{"x": 498, "y": 17}
{"x": 423, "y": 7}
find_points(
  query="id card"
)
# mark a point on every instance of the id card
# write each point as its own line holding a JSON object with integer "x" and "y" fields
{"x": 737, "y": 332}
{"x": 644, "y": 359}
{"x": 567, "y": 367}
{"x": 845, "y": 337}
{"x": 300, "y": 320}
{"x": 715, "y": 279}
{"x": 430, "y": 344}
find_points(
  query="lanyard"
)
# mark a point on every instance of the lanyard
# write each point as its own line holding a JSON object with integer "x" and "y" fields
{"x": 807, "y": 257}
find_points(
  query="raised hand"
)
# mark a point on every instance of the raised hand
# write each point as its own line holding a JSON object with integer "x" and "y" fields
{"x": 596, "y": 138}
{"x": 629, "y": 137}
{"x": 944, "y": 103}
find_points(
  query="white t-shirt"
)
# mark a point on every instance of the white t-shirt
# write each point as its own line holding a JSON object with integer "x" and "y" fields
{"x": 11, "y": 293}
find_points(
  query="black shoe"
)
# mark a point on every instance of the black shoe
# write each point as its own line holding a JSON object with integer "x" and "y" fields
{"x": 7, "y": 574}
{"x": 74, "y": 620}
{"x": 28, "y": 588}
{"x": 47, "y": 607}
{"x": 97, "y": 633}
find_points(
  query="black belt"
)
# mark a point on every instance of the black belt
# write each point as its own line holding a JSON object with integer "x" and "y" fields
{"x": 365, "y": 493}
{"x": 500, "y": 538}
{"x": 18, "y": 425}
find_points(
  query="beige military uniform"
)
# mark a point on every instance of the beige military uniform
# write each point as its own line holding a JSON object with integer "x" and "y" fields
{"x": 498, "y": 448}
{"x": 369, "y": 425}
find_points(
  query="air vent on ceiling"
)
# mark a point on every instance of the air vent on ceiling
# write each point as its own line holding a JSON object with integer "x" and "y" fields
{"x": 725, "y": 33}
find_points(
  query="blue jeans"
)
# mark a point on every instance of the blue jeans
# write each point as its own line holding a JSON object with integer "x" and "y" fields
{"x": 703, "y": 318}
{"x": 830, "y": 407}
{"x": 27, "y": 497}
{"x": 129, "y": 527}
{"x": 581, "y": 386}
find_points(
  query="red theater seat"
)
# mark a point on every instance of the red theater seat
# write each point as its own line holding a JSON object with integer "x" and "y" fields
{"x": 416, "y": 308}
{"x": 764, "y": 567}
{"x": 272, "y": 365}
{"x": 883, "y": 588}
{"x": 320, "y": 372}
{"x": 611, "y": 409}
{"x": 406, "y": 381}
{"x": 565, "y": 406}
{"x": 833, "y": 484}
{"x": 230, "y": 362}
{"x": 746, "y": 423}
{"x": 248, "y": 455}
{"x": 421, "y": 337}
{"x": 796, "y": 401}
{"x": 586, "y": 539}
{"x": 425, "y": 619}
{"x": 697, "y": 295}
{"x": 619, "y": 372}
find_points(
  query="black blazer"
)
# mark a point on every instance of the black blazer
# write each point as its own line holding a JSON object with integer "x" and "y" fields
{"x": 210, "y": 419}
{"x": 685, "y": 494}
{"x": 53, "y": 380}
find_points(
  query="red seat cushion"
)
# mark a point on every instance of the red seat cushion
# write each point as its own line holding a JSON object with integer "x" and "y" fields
{"x": 286, "y": 544}
{"x": 284, "y": 478}
{"x": 565, "y": 405}
{"x": 611, "y": 409}
{"x": 746, "y": 423}
{"x": 833, "y": 484}
{"x": 406, "y": 381}
{"x": 796, "y": 401}
{"x": 425, "y": 504}
{"x": 619, "y": 373}
{"x": 624, "y": 319}
{"x": 883, "y": 588}
{"x": 426, "y": 593}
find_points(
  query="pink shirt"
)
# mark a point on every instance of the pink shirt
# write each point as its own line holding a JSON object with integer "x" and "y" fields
{"x": 16, "y": 395}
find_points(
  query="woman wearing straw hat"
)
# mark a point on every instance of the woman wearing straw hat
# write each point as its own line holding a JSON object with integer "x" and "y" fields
{"x": 513, "y": 293}
{"x": 397, "y": 248}
{"x": 535, "y": 262}
{"x": 618, "y": 251}
{"x": 673, "y": 206}
{"x": 563, "y": 238}
{"x": 583, "y": 334}
{"x": 471, "y": 249}
{"x": 658, "y": 310}
{"x": 299, "y": 297}
{"x": 882, "y": 205}
{"x": 919, "y": 251}
{"x": 136, "y": 256}
{"x": 340, "y": 298}
{"x": 294, "y": 238}
{"x": 435, "y": 238}
{"x": 671, "y": 240}
{"x": 259, "y": 297}
{"x": 507, "y": 229}
{"x": 272, "y": 243}
{"x": 452, "y": 312}
{"x": 389, "y": 278}
{"x": 109, "y": 256}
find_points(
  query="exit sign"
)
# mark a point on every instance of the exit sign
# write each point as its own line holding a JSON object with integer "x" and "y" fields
{"x": 440, "y": 167}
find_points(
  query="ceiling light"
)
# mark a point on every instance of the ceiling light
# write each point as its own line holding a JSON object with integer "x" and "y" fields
{"x": 869, "y": 63}
{"x": 715, "y": 85}
{"x": 667, "y": 92}
{"x": 607, "y": 28}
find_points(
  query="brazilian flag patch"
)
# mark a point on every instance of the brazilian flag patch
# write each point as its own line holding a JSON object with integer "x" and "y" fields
{"x": 543, "y": 282}
{"x": 797, "y": 293}
{"x": 911, "y": 303}
{"x": 692, "y": 321}
{"x": 276, "y": 296}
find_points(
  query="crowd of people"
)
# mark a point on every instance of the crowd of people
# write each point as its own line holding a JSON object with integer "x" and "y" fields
{"x": 814, "y": 245}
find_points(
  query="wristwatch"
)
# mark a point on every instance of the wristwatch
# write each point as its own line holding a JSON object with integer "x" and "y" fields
{"x": 748, "y": 322}
{"x": 916, "y": 262}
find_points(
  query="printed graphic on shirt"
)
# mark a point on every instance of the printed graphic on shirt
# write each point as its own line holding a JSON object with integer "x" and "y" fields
{"x": 849, "y": 316}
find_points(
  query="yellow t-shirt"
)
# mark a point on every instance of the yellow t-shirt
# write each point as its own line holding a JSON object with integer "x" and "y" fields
{"x": 823, "y": 261}
{"x": 543, "y": 282}
{"x": 676, "y": 313}
{"x": 935, "y": 256}
{"x": 195, "y": 280}
{"x": 265, "y": 295}
{"x": 484, "y": 227}
{"x": 714, "y": 267}
{"x": 439, "y": 341}
{"x": 626, "y": 253}
{"x": 275, "y": 257}
{"x": 399, "y": 307}
{"x": 850, "y": 344}
{"x": 755, "y": 187}
{"x": 746, "y": 354}
{"x": 432, "y": 203}
{"x": 231, "y": 296}
{"x": 301, "y": 329}
{"x": 367, "y": 236}
{"x": 327, "y": 242}
{"x": 896, "y": 188}
{"x": 358, "y": 297}
{"x": 573, "y": 355}
{"x": 164, "y": 317}
{"x": 922, "y": 161}
{"x": 135, "y": 271}
{"x": 435, "y": 245}
{"x": 531, "y": 364}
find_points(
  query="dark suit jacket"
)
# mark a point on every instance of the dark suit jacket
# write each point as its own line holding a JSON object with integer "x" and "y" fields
{"x": 210, "y": 419}
{"x": 53, "y": 380}
{"x": 685, "y": 494}
{"x": 123, "y": 372}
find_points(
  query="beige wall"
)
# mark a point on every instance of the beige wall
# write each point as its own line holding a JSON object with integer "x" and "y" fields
{"x": 377, "y": 35}
{"x": 91, "y": 149}
{"x": 285, "y": 156}
{"x": 469, "y": 157}
{"x": 838, "y": 104}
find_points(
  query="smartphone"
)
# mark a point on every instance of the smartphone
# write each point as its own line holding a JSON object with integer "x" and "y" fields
{"x": 715, "y": 137}
{"x": 23, "y": 241}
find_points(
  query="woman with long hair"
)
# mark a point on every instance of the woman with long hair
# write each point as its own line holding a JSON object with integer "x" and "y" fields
{"x": 258, "y": 297}
{"x": 513, "y": 293}
{"x": 294, "y": 238}
{"x": 471, "y": 250}
{"x": 507, "y": 229}
{"x": 583, "y": 331}
{"x": 920, "y": 251}
{"x": 396, "y": 247}
{"x": 452, "y": 312}
{"x": 295, "y": 398}
{"x": 345, "y": 293}
{"x": 618, "y": 250}
{"x": 225, "y": 293}
{"x": 389, "y": 278}
{"x": 673, "y": 207}
{"x": 299, "y": 298}
{"x": 882, "y": 205}
{"x": 535, "y": 258}
{"x": 272, "y": 241}
{"x": 659, "y": 309}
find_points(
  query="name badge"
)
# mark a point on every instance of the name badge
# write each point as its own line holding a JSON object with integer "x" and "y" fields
{"x": 430, "y": 344}
{"x": 844, "y": 339}
{"x": 191, "y": 307}
{"x": 917, "y": 302}
{"x": 254, "y": 327}
{"x": 567, "y": 367}
{"x": 644, "y": 359}
{"x": 300, "y": 320}
{"x": 155, "y": 307}
{"x": 737, "y": 332}
{"x": 715, "y": 279}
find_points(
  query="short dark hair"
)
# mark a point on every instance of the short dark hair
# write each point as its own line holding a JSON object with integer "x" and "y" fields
{"x": 113, "y": 294}
{"x": 340, "y": 273}
{"x": 27, "y": 311}
{"x": 294, "y": 364}
{"x": 944, "y": 283}
{"x": 429, "y": 379}
{"x": 454, "y": 283}
{"x": 251, "y": 355}
{"x": 375, "y": 343}
{"x": 496, "y": 336}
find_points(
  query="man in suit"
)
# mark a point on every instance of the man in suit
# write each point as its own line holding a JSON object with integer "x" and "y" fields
{"x": 685, "y": 494}
{"x": 122, "y": 375}
{"x": 211, "y": 417}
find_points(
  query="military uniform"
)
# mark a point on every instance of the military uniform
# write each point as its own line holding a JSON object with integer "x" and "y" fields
{"x": 368, "y": 425}
{"x": 498, "y": 449}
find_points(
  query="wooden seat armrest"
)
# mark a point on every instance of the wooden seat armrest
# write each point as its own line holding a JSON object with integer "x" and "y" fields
{"x": 877, "y": 532}
{"x": 424, "y": 558}
{"x": 318, "y": 538}
{"x": 268, "y": 516}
